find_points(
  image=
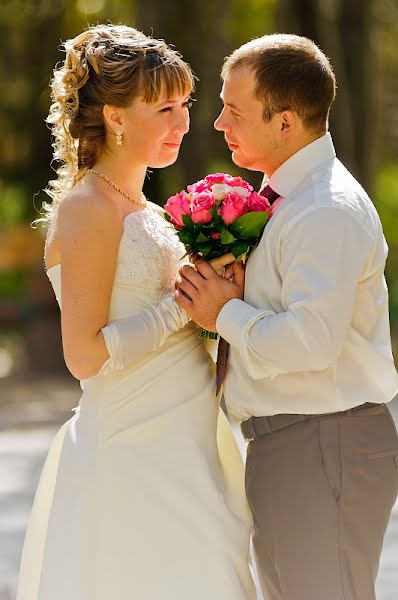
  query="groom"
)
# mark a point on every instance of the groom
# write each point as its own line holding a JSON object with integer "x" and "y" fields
{"x": 310, "y": 365}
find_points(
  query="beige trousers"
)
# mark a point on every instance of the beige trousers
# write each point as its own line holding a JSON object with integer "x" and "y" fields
{"x": 321, "y": 493}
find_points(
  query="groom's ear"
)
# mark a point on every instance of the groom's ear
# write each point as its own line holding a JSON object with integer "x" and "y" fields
{"x": 288, "y": 123}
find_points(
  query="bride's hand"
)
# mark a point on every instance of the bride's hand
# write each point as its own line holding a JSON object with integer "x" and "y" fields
{"x": 219, "y": 264}
{"x": 235, "y": 272}
{"x": 224, "y": 265}
{"x": 222, "y": 262}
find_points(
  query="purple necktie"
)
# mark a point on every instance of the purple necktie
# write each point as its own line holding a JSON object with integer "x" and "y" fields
{"x": 223, "y": 346}
{"x": 269, "y": 193}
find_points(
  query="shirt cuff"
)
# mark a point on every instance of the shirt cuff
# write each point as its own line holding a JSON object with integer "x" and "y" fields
{"x": 232, "y": 320}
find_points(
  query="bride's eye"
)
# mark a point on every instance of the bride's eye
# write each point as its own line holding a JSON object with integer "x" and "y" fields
{"x": 187, "y": 104}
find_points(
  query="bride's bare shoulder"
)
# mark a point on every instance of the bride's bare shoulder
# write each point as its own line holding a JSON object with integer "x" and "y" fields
{"x": 85, "y": 207}
{"x": 82, "y": 215}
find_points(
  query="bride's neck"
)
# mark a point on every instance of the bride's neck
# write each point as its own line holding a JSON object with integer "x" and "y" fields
{"x": 130, "y": 178}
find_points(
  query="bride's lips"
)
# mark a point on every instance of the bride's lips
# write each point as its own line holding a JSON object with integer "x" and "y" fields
{"x": 232, "y": 146}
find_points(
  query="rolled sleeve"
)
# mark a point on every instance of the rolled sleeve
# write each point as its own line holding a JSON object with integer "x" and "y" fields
{"x": 232, "y": 320}
{"x": 234, "y": 324}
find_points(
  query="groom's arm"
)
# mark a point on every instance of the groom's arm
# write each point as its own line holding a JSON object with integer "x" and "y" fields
{"x": 323, "y": 258}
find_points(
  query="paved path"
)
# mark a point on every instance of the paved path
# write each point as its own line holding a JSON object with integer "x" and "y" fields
{"x": 25, "y": 434}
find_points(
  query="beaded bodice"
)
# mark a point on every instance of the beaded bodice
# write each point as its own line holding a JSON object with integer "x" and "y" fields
{"x": 149, "y": 254}
{"x": 147, "y": 267}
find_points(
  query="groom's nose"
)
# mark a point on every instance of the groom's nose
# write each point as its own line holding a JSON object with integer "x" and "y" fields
{"x": 220, "y": 124}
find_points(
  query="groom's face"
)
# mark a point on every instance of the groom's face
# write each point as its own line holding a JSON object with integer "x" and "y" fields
{"x": 253, "y": 142}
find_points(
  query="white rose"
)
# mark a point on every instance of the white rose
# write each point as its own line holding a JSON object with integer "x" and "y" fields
{"x": 220, "y": 190}
{"x": 239, "y": 190}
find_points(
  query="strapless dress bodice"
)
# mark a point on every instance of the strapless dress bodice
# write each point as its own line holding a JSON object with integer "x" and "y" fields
{"x": 148, "y": 261}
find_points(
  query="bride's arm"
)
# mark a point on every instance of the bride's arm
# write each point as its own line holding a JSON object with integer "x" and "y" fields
{"x": 88, "y": 229}
{"x": 89, "y": 232}
{"x": 128, "y": 340}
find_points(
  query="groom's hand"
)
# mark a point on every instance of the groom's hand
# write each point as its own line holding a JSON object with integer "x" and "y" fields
{"x": 203, "y": 293}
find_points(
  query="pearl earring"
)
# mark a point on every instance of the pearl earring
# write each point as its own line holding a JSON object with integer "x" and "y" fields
{"x": 119, "y": 137}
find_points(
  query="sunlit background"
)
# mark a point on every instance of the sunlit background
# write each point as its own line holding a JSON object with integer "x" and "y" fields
{"x": 36, "y": 393}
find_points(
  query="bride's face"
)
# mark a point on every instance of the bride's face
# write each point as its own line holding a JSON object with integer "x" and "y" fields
{"x": 152, "y": 133}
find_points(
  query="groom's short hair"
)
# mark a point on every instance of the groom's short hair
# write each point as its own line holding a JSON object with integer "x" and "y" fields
{"x": 292, "y": 73}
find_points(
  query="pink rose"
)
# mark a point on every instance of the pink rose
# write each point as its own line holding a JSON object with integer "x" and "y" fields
{"x": 201, "y": 205}
{"x": 238, "y": 182}
{"x": 205, "y": 184}
{"x": 233, "y": 206}
{"x": 257, "y": 202}
{"x": 216, "y": 178}
{"x": 176, "y": 206}
{"x": 198, "y": 187}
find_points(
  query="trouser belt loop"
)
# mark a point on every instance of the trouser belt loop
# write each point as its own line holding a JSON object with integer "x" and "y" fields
{"x": 247, "y": 428}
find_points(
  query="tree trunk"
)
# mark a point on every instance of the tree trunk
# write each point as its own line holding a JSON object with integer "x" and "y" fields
{"x": 343, "y": 31}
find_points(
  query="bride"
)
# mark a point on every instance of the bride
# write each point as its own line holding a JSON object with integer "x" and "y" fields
{"x": 138, "y": 498}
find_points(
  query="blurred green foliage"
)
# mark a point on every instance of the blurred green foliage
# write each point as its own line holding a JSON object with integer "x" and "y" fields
{"x": 360, "y": 38}
{"x": 13, "y": 204}
{"x": 386, "y": 196}
{"x": 12, "y": 284}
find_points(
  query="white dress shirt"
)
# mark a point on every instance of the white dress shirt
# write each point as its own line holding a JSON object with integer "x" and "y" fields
{"x": 312, "y": 334}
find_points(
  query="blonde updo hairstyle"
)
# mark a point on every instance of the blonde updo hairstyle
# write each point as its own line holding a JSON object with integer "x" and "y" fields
{"x": 106, "y": 64}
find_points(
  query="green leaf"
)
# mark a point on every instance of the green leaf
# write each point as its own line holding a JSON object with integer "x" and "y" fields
{"x": 187, "y": 220}
{"x": 240, "y": 249}
{"x": 186, "y": 237}
{"x": 215, "y": 253}
{"x": 167, "y": 217}
{"x": 204, "y": 248}
{"x": 250, "y": 225}
{"x": 201, "y": 238}
{"x": 226, "y": 237}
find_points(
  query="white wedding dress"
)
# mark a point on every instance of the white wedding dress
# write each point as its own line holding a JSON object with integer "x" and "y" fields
{"x": 142, "y": 495}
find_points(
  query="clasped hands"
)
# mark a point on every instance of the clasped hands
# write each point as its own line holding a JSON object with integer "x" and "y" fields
{"x": 202, "y": 292}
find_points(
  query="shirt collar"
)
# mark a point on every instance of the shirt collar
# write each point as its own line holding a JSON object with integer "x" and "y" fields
{"x": 287, "y": 177}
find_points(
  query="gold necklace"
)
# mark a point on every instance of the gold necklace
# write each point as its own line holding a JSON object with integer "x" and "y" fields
{"x": 141, "y": 202}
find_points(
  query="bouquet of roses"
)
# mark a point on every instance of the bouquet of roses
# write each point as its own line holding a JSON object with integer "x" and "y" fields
{"x": 220, "y": 217}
